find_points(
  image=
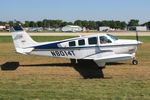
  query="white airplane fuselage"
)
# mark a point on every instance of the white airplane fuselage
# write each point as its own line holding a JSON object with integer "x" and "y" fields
{"x": 120, "y": 46}
{"x": 101, "y": 48}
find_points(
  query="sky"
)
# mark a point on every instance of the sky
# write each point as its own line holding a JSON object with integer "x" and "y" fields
{"x": 71, "y": 10}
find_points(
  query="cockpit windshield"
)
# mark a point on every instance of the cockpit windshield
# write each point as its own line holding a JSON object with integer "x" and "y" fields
{"x": 113, "y": 37}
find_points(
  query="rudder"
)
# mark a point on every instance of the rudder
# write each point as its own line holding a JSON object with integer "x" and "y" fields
{"x": 22, "y": 41}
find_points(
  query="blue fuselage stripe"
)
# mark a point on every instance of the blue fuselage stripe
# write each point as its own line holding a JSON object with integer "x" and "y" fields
{"x": 54, "y": 46}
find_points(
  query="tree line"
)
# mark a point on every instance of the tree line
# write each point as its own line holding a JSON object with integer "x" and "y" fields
{"x": 92, "y": 25}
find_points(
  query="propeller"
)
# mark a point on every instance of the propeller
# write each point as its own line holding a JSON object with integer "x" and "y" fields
{"x": 137, "y": 36}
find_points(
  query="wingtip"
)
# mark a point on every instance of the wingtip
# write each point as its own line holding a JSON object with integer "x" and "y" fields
{"x": 139, "y": 42}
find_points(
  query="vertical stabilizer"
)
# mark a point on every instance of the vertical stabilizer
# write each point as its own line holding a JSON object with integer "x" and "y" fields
{"x": 22, "y": 41}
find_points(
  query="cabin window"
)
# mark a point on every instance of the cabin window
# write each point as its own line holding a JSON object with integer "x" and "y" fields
{"x": 72, "y": 43}
{"x": 92, "y": 40}
{"x": 104, "y": 40}
{"x": 81, "y": 42}
{"x": 113, "y": 37}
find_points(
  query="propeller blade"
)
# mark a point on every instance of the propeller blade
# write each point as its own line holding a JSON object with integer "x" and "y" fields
{"x": 137, "y": 36}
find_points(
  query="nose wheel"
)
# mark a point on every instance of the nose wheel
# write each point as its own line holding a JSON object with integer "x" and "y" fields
{"x": 134, "y": 62}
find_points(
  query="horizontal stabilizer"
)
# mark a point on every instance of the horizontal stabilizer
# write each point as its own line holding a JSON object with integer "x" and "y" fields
{"x": 24, "y": 51}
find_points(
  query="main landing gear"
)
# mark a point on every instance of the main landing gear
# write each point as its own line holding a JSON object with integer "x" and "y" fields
{"x": 134, "y": 62}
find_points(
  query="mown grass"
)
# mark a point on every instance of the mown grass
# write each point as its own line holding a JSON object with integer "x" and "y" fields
{"x": 76, "y": 89}
{"x": 47, "y": 78}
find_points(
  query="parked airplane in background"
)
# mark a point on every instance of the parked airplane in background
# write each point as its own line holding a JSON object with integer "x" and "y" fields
{"x": 101, "y": 48}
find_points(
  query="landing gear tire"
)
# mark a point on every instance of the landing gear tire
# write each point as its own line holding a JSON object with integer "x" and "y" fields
{"x": 101, "y": 68}
{"x": 73, "y": 61}
{"x": 134, "y": 62}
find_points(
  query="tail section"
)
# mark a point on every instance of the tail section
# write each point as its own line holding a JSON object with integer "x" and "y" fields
{"x": 22, "y": 41}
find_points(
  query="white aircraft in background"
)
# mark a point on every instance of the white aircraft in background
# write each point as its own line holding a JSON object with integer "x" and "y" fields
{"x": 100, "y": 48}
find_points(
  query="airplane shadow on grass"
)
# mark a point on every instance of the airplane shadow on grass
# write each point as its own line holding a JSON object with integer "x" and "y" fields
{"x": 87, "y": 71}
{"x": 9, "y": 66}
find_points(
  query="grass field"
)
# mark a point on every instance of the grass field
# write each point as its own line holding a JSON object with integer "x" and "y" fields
{"x": 46, "y": 78}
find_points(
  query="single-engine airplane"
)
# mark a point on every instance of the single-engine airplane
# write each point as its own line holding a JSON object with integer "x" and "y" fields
{"x": 100, "y": 48}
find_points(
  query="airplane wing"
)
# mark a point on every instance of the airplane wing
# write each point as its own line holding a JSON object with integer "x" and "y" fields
{"x": 108, "y": 56}
{"x": 114, "y": 57}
